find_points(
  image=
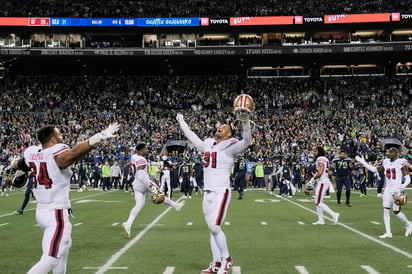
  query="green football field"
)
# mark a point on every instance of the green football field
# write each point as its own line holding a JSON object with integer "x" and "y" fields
{"x": 266, "y": 235}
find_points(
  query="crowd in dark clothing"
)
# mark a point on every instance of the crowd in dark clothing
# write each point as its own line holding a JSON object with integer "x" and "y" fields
{"x": 291, "y": 117}
{"x": 195, "y": 8}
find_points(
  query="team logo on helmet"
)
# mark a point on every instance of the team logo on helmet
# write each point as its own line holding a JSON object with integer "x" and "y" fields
{"x": 309, "y": 187}
{"x": 400, "y": 198}
{"x": 243, "y": 107}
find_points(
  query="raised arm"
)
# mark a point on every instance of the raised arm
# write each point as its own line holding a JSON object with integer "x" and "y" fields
{"x": 190, "y": 135}
{"x": 243, "y": 144}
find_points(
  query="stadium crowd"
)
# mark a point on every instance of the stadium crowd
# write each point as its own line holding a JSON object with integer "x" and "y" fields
{"x": 196, "y": 8}
{"x": 291, "y": 116}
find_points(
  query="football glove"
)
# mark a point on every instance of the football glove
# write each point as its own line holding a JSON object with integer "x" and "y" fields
{"x": 179, "y": 118}
{"x": 360, "y": 159}
{"x": 105, "y": 134}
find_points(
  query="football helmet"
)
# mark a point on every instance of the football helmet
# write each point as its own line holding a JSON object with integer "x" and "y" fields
{"x": 158, "y": 198}
{"x": 400, "y": 198}
{"x": 15, "y": 178}
{"x": 243, "y": 107}
{"x": 309, "y": 188}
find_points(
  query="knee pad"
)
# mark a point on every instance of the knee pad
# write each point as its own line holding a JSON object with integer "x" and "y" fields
{"x": 214, "y": 229}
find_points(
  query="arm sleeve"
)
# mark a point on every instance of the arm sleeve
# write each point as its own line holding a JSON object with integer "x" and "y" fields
{"x": 143, "y": 177}
{"x": 243, "y": 144}
{"x": 191, "y": 136}
{"x": 406, "y": 181}
{"x": 370, "y": 167}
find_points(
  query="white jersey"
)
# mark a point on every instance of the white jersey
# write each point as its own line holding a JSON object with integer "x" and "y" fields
{"x": 393, "y": 172}
{"x": 218, "y": 161}
{"x": 51, "y": 185}
{"x": 166, "y": 171}
{"x": 137, "y": 161}
{"x": 325, "y": 176}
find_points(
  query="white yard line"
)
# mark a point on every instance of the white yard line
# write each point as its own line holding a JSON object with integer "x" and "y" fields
{"x": 373, "y": 239}
{"x": 369, "y": 269}
{"x": 72, "y": 200}
{"x": 301, "y": 269}
{"x": 169, "y": 270}
{"x": 124, "y": 249}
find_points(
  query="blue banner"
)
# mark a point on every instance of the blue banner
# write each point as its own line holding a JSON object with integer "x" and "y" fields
{"x": 124, "y": 22}
{"x": 168, "y": 22}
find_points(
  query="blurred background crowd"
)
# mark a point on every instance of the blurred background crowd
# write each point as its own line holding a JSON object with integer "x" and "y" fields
{"x": 291, "y": 116}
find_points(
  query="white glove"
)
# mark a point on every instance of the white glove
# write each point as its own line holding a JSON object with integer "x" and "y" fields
{"x": 360, "y": 159}
{"x": 154, "y": 190}
{"x": 179, "y": 118}
{"x": 105, "y": 134}
{"x": 365, "y": 164}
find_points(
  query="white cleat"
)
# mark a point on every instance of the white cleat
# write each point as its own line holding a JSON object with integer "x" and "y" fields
{"x": 318, "y": 223}
{"x": 179, "y": 206}
{"x": 336, "y": 218}
{"x": 386, "y": 235}
{"x": 225, "y": 267}
{"x": 408, "y": 230}
{"x": 126, "y": 229}
{"x": 213, "y": 268}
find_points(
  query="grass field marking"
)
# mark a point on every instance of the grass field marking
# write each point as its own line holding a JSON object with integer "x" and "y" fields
{"x": 72, "y": 200}
{"x": 189, "y": 223}
{"x": 301, "y": 269}
{"x": 169, "y": 270}
{"x": 301, "y": 223}
{"x": 382, "y": 243}
{"x": 236, "y": 270}
{"x": 148, "y": 224}
{"x": 369, "y": 269}
{"x": 227, "y": 223}
{"x": 4, "y": 224}
{"x": 115, "y": 267}
{"x": 263, "y": 223}
{"x": 375, "y": 223}
{"x": 124, "y": 249}
{"x": 115, "y": 224}
{"x": 77, "y": 224}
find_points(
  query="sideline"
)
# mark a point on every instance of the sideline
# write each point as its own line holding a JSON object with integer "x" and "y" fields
{"x": 123, "y": 250}
{"x": 393, "y": 248}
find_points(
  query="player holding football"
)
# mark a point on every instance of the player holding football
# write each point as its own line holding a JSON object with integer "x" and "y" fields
{"x": 49, "y": 164}
{"x": 395, "y": 169}
{"x": 323, "y": 184}
{"x": 141, "y": 185}
{"x": 219, "y": 155}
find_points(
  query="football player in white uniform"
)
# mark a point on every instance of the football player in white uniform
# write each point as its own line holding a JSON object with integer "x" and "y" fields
{"x": 323, "y": 184}
{"x": 165, "y": 176}
{"x": 396, "y": 171}
{"x": 49, "y": 164}
{"x": 141, "y": 185}
{"x": 219, "y": 155}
